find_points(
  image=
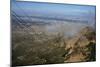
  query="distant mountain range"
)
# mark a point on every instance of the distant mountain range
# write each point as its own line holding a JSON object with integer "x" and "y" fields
{"x": 46, "y": 19}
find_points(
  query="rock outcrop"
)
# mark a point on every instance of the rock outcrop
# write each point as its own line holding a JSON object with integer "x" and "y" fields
{"x": 81, "y": 47}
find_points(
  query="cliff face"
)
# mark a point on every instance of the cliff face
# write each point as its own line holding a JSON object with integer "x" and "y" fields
{"x": 81, "y": 47}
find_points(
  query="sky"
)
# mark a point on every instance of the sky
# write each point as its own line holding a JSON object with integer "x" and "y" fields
{"x": 83, "y": 12}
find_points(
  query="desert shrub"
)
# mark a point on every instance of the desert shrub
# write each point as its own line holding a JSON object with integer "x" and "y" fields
{"x": 92, "y": 51}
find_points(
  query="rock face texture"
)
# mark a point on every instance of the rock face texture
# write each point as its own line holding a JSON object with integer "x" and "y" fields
{"x": 82, "y": 47}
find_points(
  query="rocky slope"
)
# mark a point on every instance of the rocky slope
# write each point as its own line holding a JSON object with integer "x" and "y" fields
{"x": 82, "y": 46}
{"x": 40, "y": 48}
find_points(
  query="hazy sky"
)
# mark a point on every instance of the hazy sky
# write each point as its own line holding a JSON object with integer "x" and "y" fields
{"x": 56, "y": 10}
